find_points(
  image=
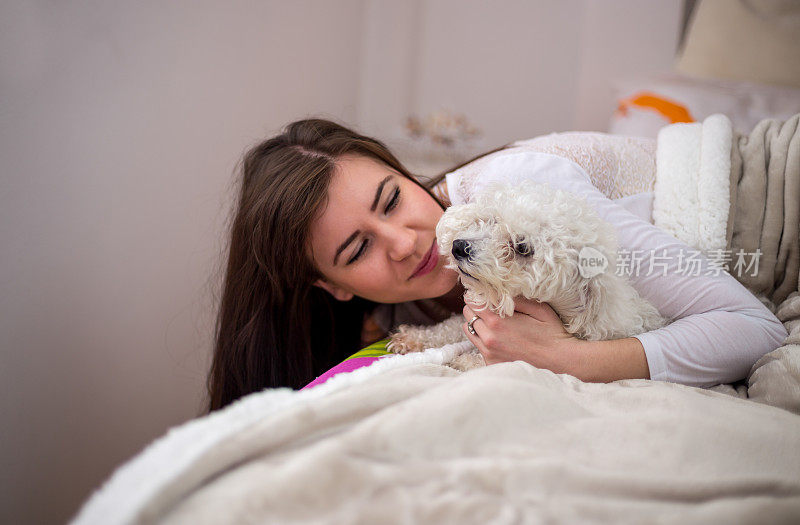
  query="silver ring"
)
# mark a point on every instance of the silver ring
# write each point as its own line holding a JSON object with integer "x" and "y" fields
{"x": 470, "y": 327}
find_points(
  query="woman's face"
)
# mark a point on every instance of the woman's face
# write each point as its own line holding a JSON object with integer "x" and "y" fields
{"x": 376, "y": 237}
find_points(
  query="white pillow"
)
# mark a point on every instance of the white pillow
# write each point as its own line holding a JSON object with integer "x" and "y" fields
{"x": 745, "y": 103}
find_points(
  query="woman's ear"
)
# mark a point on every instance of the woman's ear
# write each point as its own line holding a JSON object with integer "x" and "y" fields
{"x": 335, "y": 291}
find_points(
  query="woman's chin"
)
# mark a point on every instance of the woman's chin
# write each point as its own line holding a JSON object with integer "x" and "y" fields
{"x": 446, "y": 280}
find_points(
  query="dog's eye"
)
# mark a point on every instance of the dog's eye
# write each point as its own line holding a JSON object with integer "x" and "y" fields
{"x": 523, "y": 248}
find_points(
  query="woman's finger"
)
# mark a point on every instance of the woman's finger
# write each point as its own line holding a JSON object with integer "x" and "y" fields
{"x": 540, "y": 311}
{"x": 471, "y": 318}
{"x": 485, "y": 313}
{"x": 468, "y": 312}
{"x": 476, "y": 340}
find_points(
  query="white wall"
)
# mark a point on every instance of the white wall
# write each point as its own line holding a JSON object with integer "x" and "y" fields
{"x": 511, "y": 66}
{"x": 621, "y": 38}
{"x": 516, "y": 68}
{"x": 120, "y": 125}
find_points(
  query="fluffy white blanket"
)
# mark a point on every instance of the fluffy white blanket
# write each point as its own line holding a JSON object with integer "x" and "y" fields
{"x": 693, "y": 164}
{"x": 408, "y": 440}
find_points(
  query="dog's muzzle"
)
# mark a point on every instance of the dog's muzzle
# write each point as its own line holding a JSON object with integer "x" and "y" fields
{"x": 461, "y": 249}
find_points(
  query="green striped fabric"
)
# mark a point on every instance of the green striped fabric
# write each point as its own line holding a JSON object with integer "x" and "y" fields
{"x": 376, "y": 349}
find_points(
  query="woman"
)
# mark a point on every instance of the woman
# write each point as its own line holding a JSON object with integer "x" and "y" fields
{"x": 330, "y": 228}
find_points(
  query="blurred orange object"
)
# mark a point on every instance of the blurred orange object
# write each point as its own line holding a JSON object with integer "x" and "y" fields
{"x": 670, "y": 110}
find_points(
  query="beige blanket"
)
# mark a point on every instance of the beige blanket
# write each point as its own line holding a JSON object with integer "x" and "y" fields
{"x": 408, "y": 440}
{"x": 765, "y": 206}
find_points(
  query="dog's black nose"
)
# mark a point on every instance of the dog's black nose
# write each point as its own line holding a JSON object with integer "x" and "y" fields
{"x": 461, "y": 249}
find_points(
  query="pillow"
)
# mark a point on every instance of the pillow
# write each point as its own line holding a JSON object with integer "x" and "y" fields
{"x": 647, "y": 103}
{"x": 360, "y": 359}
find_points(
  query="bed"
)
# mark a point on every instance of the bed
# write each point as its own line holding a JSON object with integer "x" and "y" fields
{"x": 406, "y": 439}
{"x": 386, "y": 438}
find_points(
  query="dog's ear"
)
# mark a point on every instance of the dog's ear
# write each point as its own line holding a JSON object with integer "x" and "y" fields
{"x": 599, "y": 312}
{"x": 593, "y": 291}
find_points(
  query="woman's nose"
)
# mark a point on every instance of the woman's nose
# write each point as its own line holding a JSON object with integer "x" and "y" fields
{"x": 402, "y": 242}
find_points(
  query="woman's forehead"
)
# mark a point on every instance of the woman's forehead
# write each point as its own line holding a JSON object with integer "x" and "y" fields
{"x": 357, "y": 184}
{"x": 359, "y": 169}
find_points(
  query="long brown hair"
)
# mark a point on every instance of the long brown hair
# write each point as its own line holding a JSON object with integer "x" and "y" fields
{"x": 270, "y": 314}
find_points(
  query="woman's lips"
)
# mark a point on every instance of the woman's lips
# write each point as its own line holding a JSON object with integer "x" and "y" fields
{"x": 428, "y": 263}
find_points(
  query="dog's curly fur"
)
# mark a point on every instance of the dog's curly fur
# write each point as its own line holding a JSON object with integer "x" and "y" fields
{"x": 526, "y": 240}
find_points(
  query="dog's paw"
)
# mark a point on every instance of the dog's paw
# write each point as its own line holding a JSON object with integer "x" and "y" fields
{"x": 404, "y": 341}
{"x": 467, "y": 361}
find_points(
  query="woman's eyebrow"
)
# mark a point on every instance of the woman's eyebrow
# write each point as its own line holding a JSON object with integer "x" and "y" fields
{"x": 344, "y": 245}
{"x": 378, "y": 193}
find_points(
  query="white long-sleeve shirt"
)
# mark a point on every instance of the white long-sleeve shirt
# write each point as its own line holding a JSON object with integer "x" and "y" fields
{"x": 719, "y": 328}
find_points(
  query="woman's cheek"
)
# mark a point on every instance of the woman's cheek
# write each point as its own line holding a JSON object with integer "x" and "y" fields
{"x": 373, "y": 278}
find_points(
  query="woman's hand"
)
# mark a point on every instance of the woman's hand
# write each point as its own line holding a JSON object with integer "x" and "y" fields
{"x": 534, "y": 334}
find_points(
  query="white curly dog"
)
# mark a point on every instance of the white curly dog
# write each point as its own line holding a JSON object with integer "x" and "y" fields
{"x": 541, "y": 243}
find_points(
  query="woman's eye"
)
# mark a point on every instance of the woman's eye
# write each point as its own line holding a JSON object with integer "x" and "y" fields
{"x": 392, "y": 204}
{"x": 359, "y": 253}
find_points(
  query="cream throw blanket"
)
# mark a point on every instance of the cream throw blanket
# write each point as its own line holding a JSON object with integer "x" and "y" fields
{"x": 408, "y": 440}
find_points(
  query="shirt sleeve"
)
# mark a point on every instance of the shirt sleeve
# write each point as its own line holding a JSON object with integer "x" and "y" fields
{"x": 719, "y": 329}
